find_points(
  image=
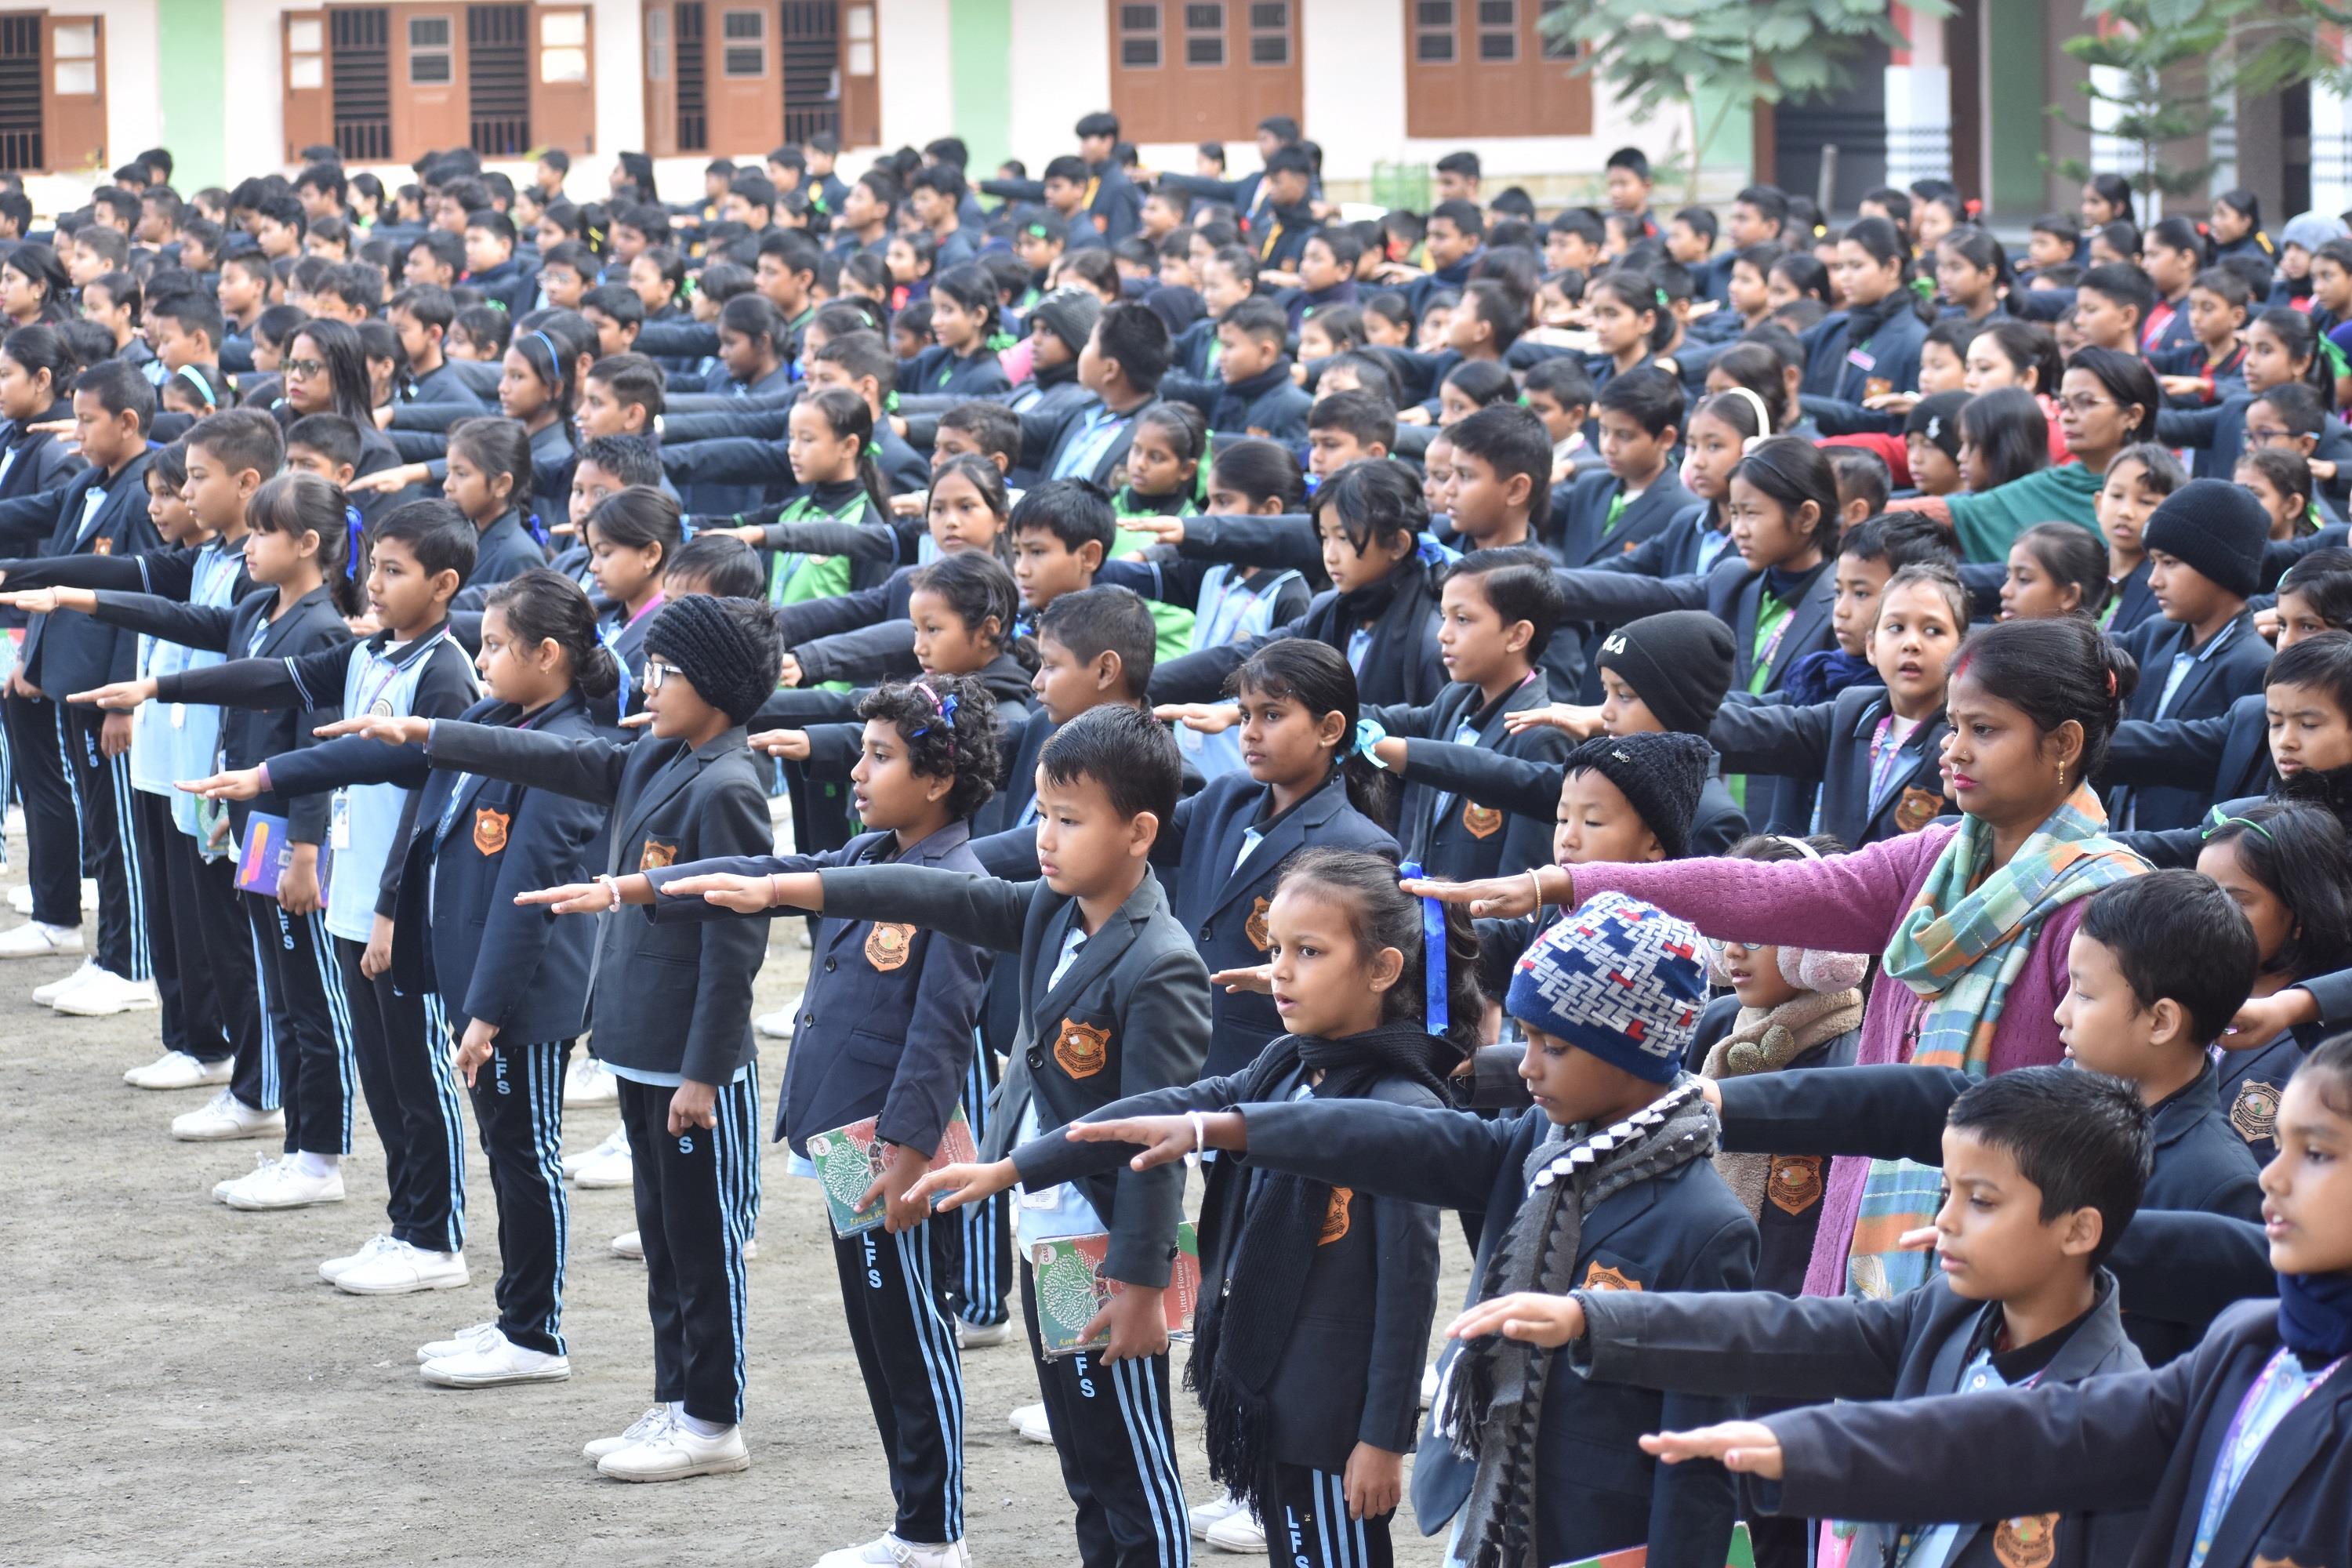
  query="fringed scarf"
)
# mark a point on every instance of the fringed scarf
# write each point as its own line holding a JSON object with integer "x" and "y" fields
{"x": 1766, "y": 1041}
{"x": 1491, "y": 1403}
{"x": 1268, "y": 1225}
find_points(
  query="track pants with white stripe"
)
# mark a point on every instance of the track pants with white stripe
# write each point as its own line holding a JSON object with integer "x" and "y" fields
{"x": 310, "y": 1026}
{"x": 692, "y": 1206}
{"x": 36, "y": 746}
{"x": 519, "y": 1111}
{"x": 987, "y": 1250}
{"x": 191, "y": 1013}
{"x": 1313, "y": 1530}
{"x": 402, "y": 1044}
{"x": 219, "y": 966}
{"x": 102, "y": 785}
{"x": 1117, "y": 1441}
{"x": 898, "y": 1293}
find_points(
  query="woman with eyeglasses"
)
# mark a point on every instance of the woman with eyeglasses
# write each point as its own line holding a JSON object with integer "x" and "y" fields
{"x": 325, "y": 371}
{"x": 2107, "y": 401}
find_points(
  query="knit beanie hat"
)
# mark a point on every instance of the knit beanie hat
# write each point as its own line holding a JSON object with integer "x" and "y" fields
{"x": 1616, "y": 977}
{"x": 730, "y": 664}
{"x": 2313, "y": 229}
{"x": 1679, "y": 664}
{"x": 1938, "y": 419}
{"x": 1659, "y": 775}
{"x": 2216, "y": 527}
{"x": 1071, "y": 313}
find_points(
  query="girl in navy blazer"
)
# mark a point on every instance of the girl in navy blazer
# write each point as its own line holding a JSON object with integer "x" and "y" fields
{"x": 1316, "y": 1298}
{"x": 514, "y": 980}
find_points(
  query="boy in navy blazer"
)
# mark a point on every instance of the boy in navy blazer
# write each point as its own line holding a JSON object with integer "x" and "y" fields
{"x": 1604, "y": 1185}
{"x": 101, "y": 510}
{"x": 1607, "y": 511}
{"x": 1114, "y": 1001}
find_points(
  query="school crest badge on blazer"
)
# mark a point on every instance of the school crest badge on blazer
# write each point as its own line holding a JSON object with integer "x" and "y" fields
{"x": 887, "y": 945}
{"x": 1335, "y": 1217}
{"x": 490, "y": 830}
{"x": 1917, "y": 808}
{"x": 1794, "y": 1184}
{"x": 2030, "y": 1541}
{"x": 1600, "y": 1276}
{"x": 1256, "y": 930}
{"x": 1082, "y": 1049}
{"x": 1483, "y": 821}
{"x": 2254, "y": 1113}
{"x": 656, "y": 856}
{"x": 102, "y": 545}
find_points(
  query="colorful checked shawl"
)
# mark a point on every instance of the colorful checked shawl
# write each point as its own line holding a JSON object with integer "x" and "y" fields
{"x": 1964, "y": 943}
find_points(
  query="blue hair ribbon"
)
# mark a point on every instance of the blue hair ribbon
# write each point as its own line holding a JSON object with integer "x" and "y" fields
{"x": 1437, "y": 980}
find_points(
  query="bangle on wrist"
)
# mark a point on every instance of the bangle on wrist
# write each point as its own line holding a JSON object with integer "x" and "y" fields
{"x": 612, "y": 886}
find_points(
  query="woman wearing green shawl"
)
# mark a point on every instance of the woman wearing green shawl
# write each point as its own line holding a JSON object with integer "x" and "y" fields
{"x": 2107, "y": 401}
{"x": 1972, "y": 918}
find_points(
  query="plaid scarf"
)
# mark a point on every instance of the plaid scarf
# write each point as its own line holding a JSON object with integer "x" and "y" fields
{"x": 1961, "y": 947}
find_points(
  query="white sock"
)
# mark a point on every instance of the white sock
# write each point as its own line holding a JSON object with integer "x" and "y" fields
{"x": 311, "y": 1164}
{"x": 699, "y": 1427}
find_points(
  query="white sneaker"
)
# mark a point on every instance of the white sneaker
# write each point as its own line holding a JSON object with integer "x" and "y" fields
{"x": 975, "y": 1337}
{"x": 611, "y": 1166}
{"x": 637, "y": 1431}
{"x": 34, "y": 940}
{"x": 494, "y": 1362}
{"x": 334, "y": 1267}
{"x": 260, "y": 1163}
{"x": 1029, "y": 1421}
{"x": 178, "y": 1069}
{"x": 750, "y": 1247}
{"x": 887, "y": 1551}
{"x": 629, "y": 1244}
{"x": 585, "y": 1082}
{"x": 778, "y": 1026}
{"x": 1205, "y": 1517}
{"x": 402, "y": 1269}
{"x": 1242, "y": 1532}
{"x": 674, "y": 1452}
{"x": 223, "y": 1117}
{"x": 21, "y": 899}
{"x": 105, "y": 993}
{"x": 284, "y": 1184}
{"x": 474, "y": 1336}
{"x": 46, "y": 994}
{"x": 618, "y": 1138}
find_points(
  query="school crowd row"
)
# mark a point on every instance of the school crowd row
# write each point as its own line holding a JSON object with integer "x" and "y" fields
{"x": 1733, "y": 768}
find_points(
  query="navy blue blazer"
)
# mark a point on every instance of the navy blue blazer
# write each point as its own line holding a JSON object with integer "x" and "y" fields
{"x": 1463, "y": 837}
{"x": 65, "y": 651}
{"x": 1681, "y": 1231}
{"x": 1841, "y": 368}
{"x": 1530, "y": 788}
{"x": 1578, "y": 530}
{"x": 1812, "y": 1350}
{"x": 505, "y": 550}
{"x": 474, "y": 843}
{"x": 2213, "y": 683}
{"x": 1400, "y": 665}
{"x": 1828, "y": 743}
{"x": 886, "y": 1020}
{"x": 1268, "y": 404}
{"x": 2148, "y": 1439}
{"x": 2230, "y": 749}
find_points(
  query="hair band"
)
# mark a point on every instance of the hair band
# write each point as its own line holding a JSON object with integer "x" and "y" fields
{"x": 1436, "y": 979}
{"x": 2249, "y": 824}
{"x": 1763, "y": 416}
{"x": 195, "y": 378}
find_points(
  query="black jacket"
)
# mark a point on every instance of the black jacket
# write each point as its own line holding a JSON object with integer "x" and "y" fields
{"x": 1463, "y": 836}
{"x": 1578, "y": 530}
{"x": 1529, "y": 789}
{"x": 1400, "y": 662}
{"x": 673, "y": 998}
{"x": 2230, "y": 749}
{"x": 2211, "y": 684}
{"x": 886, "y": 1021}
{"x": 1131, "y": 1015}
{"x": 1828, "y": 743}
{"x": 65, "y": 651}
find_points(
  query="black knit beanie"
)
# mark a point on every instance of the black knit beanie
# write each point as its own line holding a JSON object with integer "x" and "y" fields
{"x": 1938, "y": 419}
{"x": 1659, "y": 777}
{"x": 722, "y": 652}
{"x": 2216, "y": 527}
{"x": 1678, "y": 664}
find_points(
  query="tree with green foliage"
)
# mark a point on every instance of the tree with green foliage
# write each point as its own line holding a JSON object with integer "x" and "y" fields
{"x": 2229, "y": 48}
{"x": 1670, "y": 55}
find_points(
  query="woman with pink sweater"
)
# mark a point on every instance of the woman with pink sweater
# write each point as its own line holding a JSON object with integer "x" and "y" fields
{"x": 1972, "y": 921}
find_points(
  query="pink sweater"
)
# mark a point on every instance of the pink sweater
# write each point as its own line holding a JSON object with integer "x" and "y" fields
{"x": 1851, "y": 903}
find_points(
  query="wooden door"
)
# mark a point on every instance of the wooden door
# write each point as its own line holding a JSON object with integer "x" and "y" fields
{"x": 429, "y": 104}
{"x": 74, "y": 58}
{"x": 309, "y": 99}
{"x": 563, "y": 78}
{"x": 743, "y": 79}
{"x": 1192, "y": 70}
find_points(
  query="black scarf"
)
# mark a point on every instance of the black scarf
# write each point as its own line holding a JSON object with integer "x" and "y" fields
{"x": 1491, "y": 1403}
{"x": 1265, "y": 1231}
{"x": 1863, "y": 322}
{"x": 1364, "y": 605}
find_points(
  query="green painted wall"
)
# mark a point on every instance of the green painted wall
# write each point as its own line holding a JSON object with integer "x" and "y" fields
{"x": 979, "y": 61}
{"x": 189, "y": 43}
{"x": 2016, "y": 108}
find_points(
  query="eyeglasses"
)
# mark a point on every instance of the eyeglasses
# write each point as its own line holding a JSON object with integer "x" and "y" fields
{"x": 658, "y": 673}
{"x": 305, "y": 368}
{"x": 2264, "y": 434}
{"x": 2083, "y": 404}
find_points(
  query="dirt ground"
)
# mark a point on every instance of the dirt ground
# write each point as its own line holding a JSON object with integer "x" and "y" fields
{"x": 183, "y": 1389}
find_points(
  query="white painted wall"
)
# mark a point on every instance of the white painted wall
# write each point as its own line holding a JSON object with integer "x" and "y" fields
{"x": 617, "y": 29}
{"x": 1061, "y": 69}
{"x": 133, "y": 120}
{"x": 910, "y": 45}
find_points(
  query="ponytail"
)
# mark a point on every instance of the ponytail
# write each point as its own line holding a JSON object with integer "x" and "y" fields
{"x": 544, "y": 605}
{"x": 1317, "y": 678}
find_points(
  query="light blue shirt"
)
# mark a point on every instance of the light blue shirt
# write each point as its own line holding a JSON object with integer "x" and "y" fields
{"x": 2184, "y": 661}
{"x": 2272, "y": 1400}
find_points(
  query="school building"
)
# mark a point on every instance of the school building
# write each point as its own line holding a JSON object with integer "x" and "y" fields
{"x": 236, "y": 87}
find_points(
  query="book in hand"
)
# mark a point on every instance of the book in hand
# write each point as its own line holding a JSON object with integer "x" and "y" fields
{"x": 849, "y": 1160}
{"x": 265, "y": 854}
{"x": 1071, "y": 1289}
{"x": 1743, "y": 1554}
